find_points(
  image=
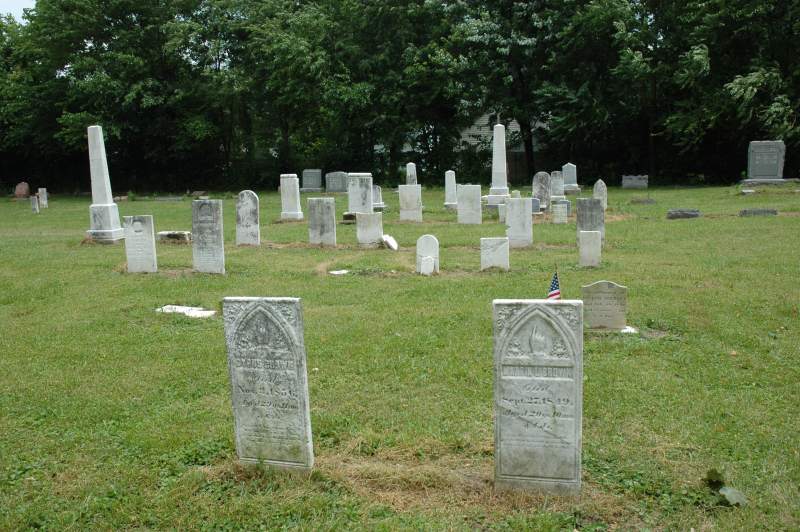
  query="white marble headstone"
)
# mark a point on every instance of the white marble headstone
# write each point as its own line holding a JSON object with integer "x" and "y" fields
{"x": 428, "y": 246}
{"x": 208, "y": 245}
{"x": 290, "y": 197}
{"x": 369, "y": 229}
{"x": 104, "y": 226}
{"x": 312, "y": 180}
{"x": 605, "y": 304}
{"x": 591, "y": 216}
{"x": 248, "y": 230}
{"x": 359, "y": 193}
{"x": 589, "y": 248}
{"x": 538, "y": 395}
{"x": 411, "y": 174}
{"x": 269, "y": 382}
{"x": 519, "y": 222}
{"x": 35, "y": 204}
{"x": 140, "y": 244}
{"x": 600, "y": 191}
{"x": 541, "y": 188}
{"x": 494, "y": 253}
{"x": 469, "y": 204}
{"x": 42, "y": 193}
{"x": 410, "y": 203}
{"x": 336, "y": 182}
{"x": 499, "y": 188}
{"x": 450, "y": 197}
{"x": 322, "y": 221}
{"x": 559, "y": 212}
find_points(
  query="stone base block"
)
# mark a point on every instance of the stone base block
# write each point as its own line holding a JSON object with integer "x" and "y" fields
{"x": 496, "y": 199}
{"x": 570, "y": 190}
{"x": 291, "y": 216}
{"x": 104, "y": 226}
{"x": 103, "y": 236}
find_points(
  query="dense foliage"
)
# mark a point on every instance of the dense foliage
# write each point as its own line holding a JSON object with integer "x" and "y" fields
{"x": 228, "y": 93}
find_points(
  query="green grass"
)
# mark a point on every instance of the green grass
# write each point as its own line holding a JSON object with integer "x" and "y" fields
{"x": 113, "y": 416}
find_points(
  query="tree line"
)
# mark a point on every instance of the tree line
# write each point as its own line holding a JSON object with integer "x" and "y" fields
{"x": 230, "y": 93}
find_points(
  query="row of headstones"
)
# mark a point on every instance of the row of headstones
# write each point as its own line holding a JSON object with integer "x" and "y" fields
{"x": 538, "y": 385}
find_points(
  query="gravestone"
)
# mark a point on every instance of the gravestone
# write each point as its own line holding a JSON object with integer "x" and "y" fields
{"x": 450, "y": 197}
{"x": 590, "y": 245}
{"x": 494, "y": 253}
{"x": 556, "y": 187}
{"x": 635, "y": 181}
{"x": 411, "y": 174}
{"x": 570, "y": 174}
{"x": 369, "y": 229}
{"x": 604, "y": 306}
{"x": 566, "y": 202}
{"x": 104, "y": 226}
{"x": 359, "y": 193}
{"x": 600, "y": 191}
{"x": 42, "y": 193}
{"x": 410, "y": 203}
{"x": 312, "y": 180}
{"x": 758, "y": 212}
{"x": 535, "y": 206}
{"x": 34, "y": 204}
{"x": 336, "y": 182}
{"x": 469, "y": 204}
{"x": 559, "y": 212}
{"x": 322, "y": 221}
{"x": 519, "y": 222}
{"x": 22, "y": 190}
{"x": 501, "y": 213}
{"x": 290, "y": 197}
{"x": 765, "y": 160}
{"x": 140, "y": 244}
{"x": 499, "y": 189}
{"x": 208, "y": 245}
{"x": 591, "y": 216}
{"x": 538, "y": 395}
{"x": 427, "y": 248}
{"x": 377, "y": 199}
{"x": 678, "y": 214}
{"x": 541, "y": 188}
{"x": 248, "y": 230}
{"x": 269, "y": 382}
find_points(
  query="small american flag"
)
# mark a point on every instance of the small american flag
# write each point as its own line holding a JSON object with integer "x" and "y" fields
{"x": 555, "y": 289}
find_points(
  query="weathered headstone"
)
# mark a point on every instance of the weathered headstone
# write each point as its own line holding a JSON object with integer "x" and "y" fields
{"x": 43, "y": 199}
{"x": 469, "y": 204}
{"x": 559, "y": 212}
{"x": 312, "y": 180}
{"x": 377, "y": 199}
{"x": 541, "y": 188}
{"x": 600, "y": 191}
{"x": 140, "y": 244}
{"x": 336, "y": 182}
{"x": 35, "y": 204}
{"x": 248, "y": 230}
{"x": 535, "y": 206}
{"x": 538, "y": 395}
{"x": 635, "y": 181}
{"x": 591, "y": 216}
{"x": 290, "y": 197}
{"x": 519, "y": 222}
{"x": 22, "y": 190}
{"x": 499, "y": 189}
{"x": 758, "y": 212}
{"x": 359, "y": 193}
{"x": 410, "y": 203}
{"x": 369, "y": 229}
{"x": 556, "y": 186}
{"x": 765, "y": 160}
{"x": 428, "y": 247}
{"x": 570, "y": 174}
{"x": 269, "y": 382}
{"x": 104, "y": 226}
{"x": 494, "y": 253}
{"x": 590, "y": 245}
{"x": 604, "y": 306}
{"x": 501, "y": 213}
{"x": 562, "y": 201}
{"x": 208, "y": 245}
{"x": 450, "y": 197}
{"x": 411, "y": 174}
{"x": 677, "y": 214}
{"x": 322, "y": 221}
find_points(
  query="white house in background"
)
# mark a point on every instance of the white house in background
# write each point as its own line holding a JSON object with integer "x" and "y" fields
{"x": 480, "y": 132}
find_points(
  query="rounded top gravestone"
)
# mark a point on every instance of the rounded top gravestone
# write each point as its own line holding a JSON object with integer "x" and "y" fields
{"x": 22, "y": 190}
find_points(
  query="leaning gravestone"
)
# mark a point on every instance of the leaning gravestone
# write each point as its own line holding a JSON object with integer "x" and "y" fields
{"x": 604, "y": 306}
{"x": 410, "y": 203}
{"x": 336, "y": 182}
{"x": 208, "y": 245}
{"x": 359, "y": 193}
{"x": 104, "y": 224}
{"x": 322, "y": 221}
{"x": 541, "y": 188}
{"x": 369, "y": 229}
{"x": 765, "y": 160}
{"x": 312, "y": 180}
{"x": 450, "y": 197}
{"x": 635, "y": 181}
{"x": 591, "y": 216}
{"x": 494, "y": 253}
{"x": 519, "y": 222}
{"x": 35, "y": 204}
{"x": 600, "y": 191}
{"x": 590, "y": 245}
{"x": 411, "y": 174}
{"x": 248, "y": 230}
{"x": 427, "y": 248}
{"x": 140, "y": 244}
{"x": 469, "y": 204}
{"x": 42, "y": 194}
{"x": 559, "y": 211}
{"x": 269, "y": 383}
{"x": 290, "y": 197}
{"x": 538, "y": 395}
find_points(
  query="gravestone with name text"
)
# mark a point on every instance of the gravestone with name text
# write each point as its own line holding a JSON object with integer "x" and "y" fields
{"x": 369, "y": 229}
{"x": 312, "y": 180}
{"x": 248, "y": 230}
{"x": 140, "y": 244}
{"x": 322, "y": 221}
{"x": 208, "y": 244}
{"x": 359, "y": 193}
{"x": 336, "y": 182}
{"x": 604, "y": 306}
{"x": 559, "y": 213}
{"x": 765, "y": 160}
{"x": 591, "y": 216}
{"x": 494, "y": 253}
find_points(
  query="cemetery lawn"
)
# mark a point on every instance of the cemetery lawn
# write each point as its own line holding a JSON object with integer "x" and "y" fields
{"x": 113, "y": 416}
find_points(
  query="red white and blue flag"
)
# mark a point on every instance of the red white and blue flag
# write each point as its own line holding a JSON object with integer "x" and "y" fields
{"x": 555, "y": 288}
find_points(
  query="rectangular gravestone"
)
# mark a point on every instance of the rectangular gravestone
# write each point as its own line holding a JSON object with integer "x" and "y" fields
{"x": 369, "y": 229}
{"x": 765, "y": 160}
{"x": 541, "y": 188}
{"x": 591, "y": 216}
{"x": 290, "y": 197}
{"x": 336, "y": 182}
{"x": 248, "y": 228}
{"x": 322, "y": 221}
{"x": 538, "y": 395}
{"x": 312, "y": 180}
{"x": 42, "y": 193}
{"x": 359, "y": 193}
{"x": 635, "y": 181}
{"x": 208, "y": 245}
{"x": 35, "y": 204}
{"x": 494, "y": 253}
{"x": 519, "y": 222}
{"x": 590, "y": 245}
{"x": 559, "y": 212}
{"x": 605, "y": 304}
{"x": 570, "y": 174}
{"x": 269, "y": 383}
{"x": 410, "y": 203}
{"x": 450, "y": 197}
{"x": 411, "y": 174}
{"x": 140, "y": 244}
{"x": 469, "y": 204}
